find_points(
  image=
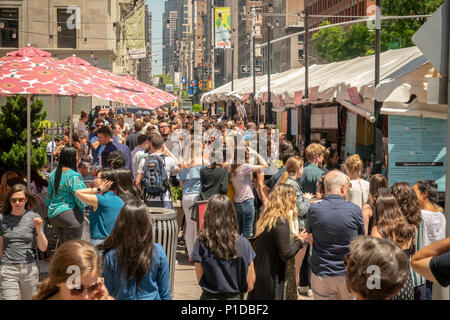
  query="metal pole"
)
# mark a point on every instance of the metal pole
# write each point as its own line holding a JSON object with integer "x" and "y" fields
{"x": 28, "y": 141}
{"x": 52, "y": 126}
{"x": 268, "y": 66}
{"x": 72, "y": 102}
{"x": 194, "y": 26}
{"x": 203, "y": 73}
{"x": 307, "y": 112}
{"x": 232, "y": 68}
{"x": 213, "y": 71}
{"x": 254, "y": 63}
{"x": 443, "y": 293}
{"x": 377, "y": 105}
{"x": 252, "y": 48}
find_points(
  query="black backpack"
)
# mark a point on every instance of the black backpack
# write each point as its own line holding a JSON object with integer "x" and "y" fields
{"x": 155, "y": 179}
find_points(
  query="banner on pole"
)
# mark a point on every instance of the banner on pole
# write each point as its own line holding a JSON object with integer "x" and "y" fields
{"x": 298, "y": 98}
{"x": 222, "y": 27}
{"x": 135, "y": 34}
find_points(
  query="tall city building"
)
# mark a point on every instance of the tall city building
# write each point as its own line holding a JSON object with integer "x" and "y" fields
{"x": 280, "y": 19}
{"x": 171, "y": 34}
{"x": 201, "y": 53}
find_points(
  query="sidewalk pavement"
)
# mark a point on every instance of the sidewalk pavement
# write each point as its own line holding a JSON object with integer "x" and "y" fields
{"x": 186, "y": 286}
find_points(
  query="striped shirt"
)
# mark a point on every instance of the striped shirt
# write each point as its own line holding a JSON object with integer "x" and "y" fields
{"x": 419, "y": 280}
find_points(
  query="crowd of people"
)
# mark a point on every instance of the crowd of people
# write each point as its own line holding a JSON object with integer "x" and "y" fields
{"x": 279, "y": 222}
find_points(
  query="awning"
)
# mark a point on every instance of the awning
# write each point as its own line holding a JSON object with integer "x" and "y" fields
{"x": 403, "y": 74}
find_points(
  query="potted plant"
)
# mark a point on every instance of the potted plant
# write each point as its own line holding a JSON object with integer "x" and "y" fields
{"x": 177, "y": 194}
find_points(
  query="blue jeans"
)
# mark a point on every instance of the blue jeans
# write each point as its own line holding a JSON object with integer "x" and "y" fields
{"x": 245, "y": 215}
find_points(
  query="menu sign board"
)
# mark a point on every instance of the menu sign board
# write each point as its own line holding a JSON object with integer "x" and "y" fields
{"x": 417, "y": 150}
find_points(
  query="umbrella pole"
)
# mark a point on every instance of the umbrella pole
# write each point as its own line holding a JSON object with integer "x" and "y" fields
{"x": 72, "y": 102}
{"x": 28, "y": 141}
{"x": 52, "y": 129}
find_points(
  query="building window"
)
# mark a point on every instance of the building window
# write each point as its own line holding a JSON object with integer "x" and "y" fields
{"x": 9, "y": 18}
{"x": 301, "y": 37}
{"x": 67, "y": 38}
{"x": 300, "y": 54}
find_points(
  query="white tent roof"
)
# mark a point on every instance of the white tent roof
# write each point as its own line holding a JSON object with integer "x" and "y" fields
{"x": 403, "y": 73}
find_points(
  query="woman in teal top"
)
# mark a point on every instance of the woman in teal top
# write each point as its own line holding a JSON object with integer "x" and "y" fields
{"x": 105, "y": 204}
{"x": 65, "y": 211}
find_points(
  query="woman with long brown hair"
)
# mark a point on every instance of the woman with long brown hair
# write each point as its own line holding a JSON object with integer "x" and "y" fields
{"x": 407, "y": 199}
{"x": 75, "y": 274}
{"x": 223, "y": 259}
{"x": 19, "y": 227}
{"x": 391, "y": 224}
{"x": 376, "y": 183}
{"x": 276, "y": 243}
{"x": 134, "y": 266}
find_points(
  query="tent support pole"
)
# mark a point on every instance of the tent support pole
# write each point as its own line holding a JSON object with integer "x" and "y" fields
{"x": 52, "y": 129}
{"x": 28, "y": 141}
{"x": 72, "y": 102}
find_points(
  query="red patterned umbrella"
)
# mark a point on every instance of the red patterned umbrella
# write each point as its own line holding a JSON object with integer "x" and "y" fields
{"x": 30, "y": 52}
{"x": 34, "y": 75}
{"x": 141, "y": 94}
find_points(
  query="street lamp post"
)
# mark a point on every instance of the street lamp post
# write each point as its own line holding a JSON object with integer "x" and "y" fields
{"x": 232, "y": 67}
{"x": 377, "y": 133}
{"x": 307, "y": 110}
{"x": 269, "y": 96}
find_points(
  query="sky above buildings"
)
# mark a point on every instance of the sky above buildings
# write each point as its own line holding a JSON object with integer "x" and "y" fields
{"x": 156, "y": 7}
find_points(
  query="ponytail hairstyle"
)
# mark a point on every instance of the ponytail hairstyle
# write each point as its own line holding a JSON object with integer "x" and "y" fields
{"x": 292, "y": 166}
{"x": 429, "y": 187}
{"x": 68, "y": 159}
{"x": 78, "y": 253}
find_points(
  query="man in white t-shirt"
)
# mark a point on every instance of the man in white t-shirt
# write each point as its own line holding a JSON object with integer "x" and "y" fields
{"x": 140, "y": 152}
{"x": 157, "y": 148}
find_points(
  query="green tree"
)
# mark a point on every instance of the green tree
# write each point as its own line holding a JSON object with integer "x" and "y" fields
{"x": 13, "y": 133}
{"x": 337, "y": 43}
{"x": 405, "y": 28}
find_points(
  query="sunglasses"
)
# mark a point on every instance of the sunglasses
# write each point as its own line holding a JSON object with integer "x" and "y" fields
{"x": 91, "y": 289}
{"x": 18, "y": 200}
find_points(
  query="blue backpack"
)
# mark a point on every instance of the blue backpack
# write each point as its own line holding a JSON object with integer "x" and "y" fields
{"x": 155, "y": 179}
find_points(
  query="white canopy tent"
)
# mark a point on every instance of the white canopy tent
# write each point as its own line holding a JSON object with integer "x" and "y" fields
{"x": 403, "y": 76}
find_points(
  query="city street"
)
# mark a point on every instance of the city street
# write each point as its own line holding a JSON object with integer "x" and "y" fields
{"x": 186, "y": 284}
{"x": 302, "y": 143}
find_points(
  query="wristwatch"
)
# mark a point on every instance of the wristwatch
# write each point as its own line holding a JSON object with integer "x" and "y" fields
{"x": 99, "y": 190}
